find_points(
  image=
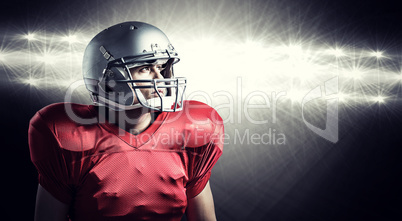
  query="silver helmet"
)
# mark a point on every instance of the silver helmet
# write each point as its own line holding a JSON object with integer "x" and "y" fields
{"x": 109, "y": 57}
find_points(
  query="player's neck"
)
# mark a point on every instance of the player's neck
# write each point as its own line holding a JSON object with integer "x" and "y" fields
{"x": 143, "y": 122}
{"x": 134, "y": 121}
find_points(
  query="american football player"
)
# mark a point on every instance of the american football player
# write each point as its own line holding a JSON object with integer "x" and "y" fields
{"x": 148, "y": 155}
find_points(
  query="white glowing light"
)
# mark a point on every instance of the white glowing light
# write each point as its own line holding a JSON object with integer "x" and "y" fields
{"x": 304, "y": 70}
{"x": 337, "y": 52}
{"x": 31, "y": 81}
{"x": 296, "y": 95}
{"x": 342, "y": 97}
{"x": 377, "y": 54}
{"x": 356, "y": 74}
{"x": 261, "y": 66}
{"x": 252, "y": 46}
{"x": 379, "y": 99}
{"x": 48, "y": 59}
{"x": 30, "y": 37}
{"x": 70, "y": 39}
{"x": 294, "y": 50}
{"x": 398, "y": 77}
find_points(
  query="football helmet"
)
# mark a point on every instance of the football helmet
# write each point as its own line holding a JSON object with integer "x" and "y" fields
{"x": 111, "y": 54}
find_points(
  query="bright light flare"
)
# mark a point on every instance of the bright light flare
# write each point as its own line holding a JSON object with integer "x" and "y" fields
{"x": 47, "y": 59}
{"x": 397, "y": 77}
{"x": 260, "y": 66}
{"x": 31, "y": 81}
{"x": 296, "y": 94}
{"x": 379, "y": 99}
{"x": 377, "y": 54}
{"x": 30, "y": 37}
{"x": 294, "y": 51}
{"x": 70, "y": 39}
{"x": 337, "y": 52}
{"x": 355, "y": 74}
{"x": 342, "y": 97}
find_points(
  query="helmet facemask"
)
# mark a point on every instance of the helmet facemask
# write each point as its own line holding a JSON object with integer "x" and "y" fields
{"x": 119, "y": 91}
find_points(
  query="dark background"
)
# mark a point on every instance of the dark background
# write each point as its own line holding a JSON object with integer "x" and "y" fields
{"x": 355, "y": 179}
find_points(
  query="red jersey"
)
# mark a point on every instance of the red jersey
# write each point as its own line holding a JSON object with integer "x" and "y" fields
{"x": 105, "y": 173}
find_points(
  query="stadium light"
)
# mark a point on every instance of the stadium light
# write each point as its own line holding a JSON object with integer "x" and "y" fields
{"x": 337, "y": 52}
{"x": 377, "y": 54}
{"x": 379, "y": 99}
{"x": 30, "y": 37}
{"x": 70, "y": 39}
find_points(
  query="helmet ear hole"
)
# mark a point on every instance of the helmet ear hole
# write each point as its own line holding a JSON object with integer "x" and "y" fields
{"x": 108, "y": 89}
{"x": 116, "y": 92}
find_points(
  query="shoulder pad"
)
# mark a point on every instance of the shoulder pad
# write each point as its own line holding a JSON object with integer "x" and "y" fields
{"x": 202, "y": 124}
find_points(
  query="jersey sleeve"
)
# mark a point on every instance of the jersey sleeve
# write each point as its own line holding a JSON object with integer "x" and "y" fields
{"x": 49, "y": 160}
{"x": 202, "y": 159}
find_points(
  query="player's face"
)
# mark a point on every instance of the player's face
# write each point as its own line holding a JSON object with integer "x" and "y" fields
{"x": 148, "y": 72}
